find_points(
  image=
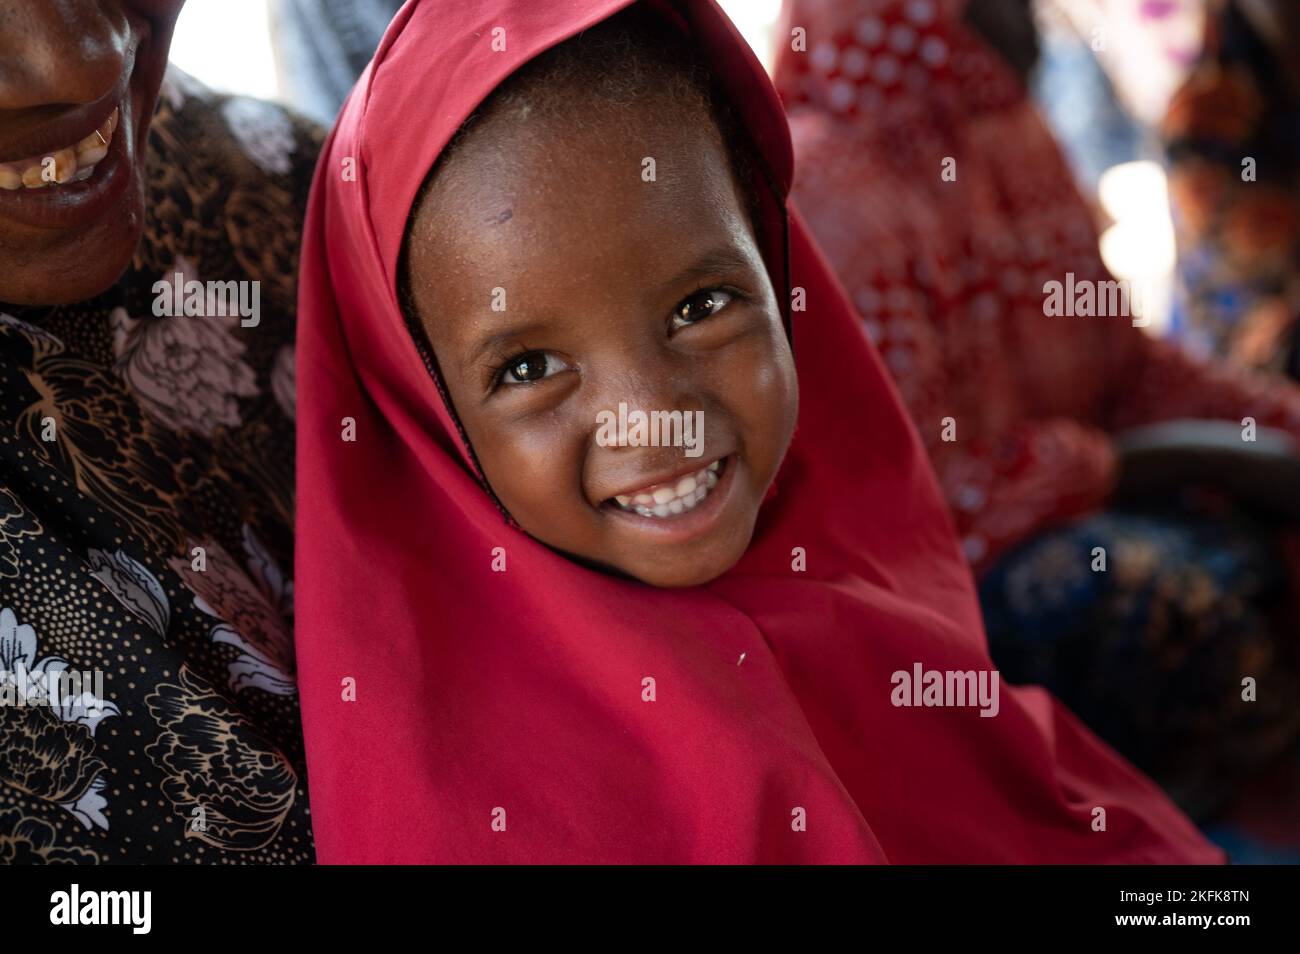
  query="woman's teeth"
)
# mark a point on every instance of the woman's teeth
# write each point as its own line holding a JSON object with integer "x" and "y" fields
{"x": 74, "y": 164}
{"x": 669, "y": 500}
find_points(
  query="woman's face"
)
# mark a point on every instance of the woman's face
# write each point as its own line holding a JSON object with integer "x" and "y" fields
{"x": 556, "y": 283}
{"x": 78, "y": 82}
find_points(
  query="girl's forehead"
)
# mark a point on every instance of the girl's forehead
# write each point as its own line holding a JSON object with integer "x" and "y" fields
{"x": 560, "y": 175}
{"x": 607, "y": 243}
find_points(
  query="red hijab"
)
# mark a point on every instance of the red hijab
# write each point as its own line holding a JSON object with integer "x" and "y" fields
{"x": 457, "y": 714}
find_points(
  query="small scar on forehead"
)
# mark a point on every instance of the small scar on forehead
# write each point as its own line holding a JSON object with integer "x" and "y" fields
{"x": 503, "y": 216}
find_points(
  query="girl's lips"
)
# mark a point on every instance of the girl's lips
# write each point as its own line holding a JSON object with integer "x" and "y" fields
{"x": 690, "y": 524}
{"x": 681, "y": 486}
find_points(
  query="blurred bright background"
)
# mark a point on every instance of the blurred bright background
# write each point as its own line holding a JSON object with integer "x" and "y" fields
{"x": 208, "y": 30}
{"x": 207, "y": 33}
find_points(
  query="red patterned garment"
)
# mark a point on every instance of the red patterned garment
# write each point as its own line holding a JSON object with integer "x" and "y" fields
{"x": 888, "y": 102}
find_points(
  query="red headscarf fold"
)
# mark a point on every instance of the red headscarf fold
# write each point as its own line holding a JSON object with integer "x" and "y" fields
{"x": 457, "y": 714}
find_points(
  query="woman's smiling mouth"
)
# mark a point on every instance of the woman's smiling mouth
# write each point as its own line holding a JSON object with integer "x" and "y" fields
{"x": 74, "y": 163}
{"x": 68, "y": 171}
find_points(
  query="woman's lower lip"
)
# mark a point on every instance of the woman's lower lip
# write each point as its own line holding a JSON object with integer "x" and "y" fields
{"x": 692, "y": 523}
{"x": 75, "y": 205}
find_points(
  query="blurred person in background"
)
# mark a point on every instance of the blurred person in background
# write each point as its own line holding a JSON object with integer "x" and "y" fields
{"x": 146, "y": 449}
{"x": 1079, "y": 101}
{"x": 1232, "y": 134}
{"x": 940, "y": 197}
{"x": 321, "y": 47}
{"x": 1210, "y": 89}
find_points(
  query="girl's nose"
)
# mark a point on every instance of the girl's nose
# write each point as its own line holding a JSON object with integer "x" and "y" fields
{"x": 652, "y": 401}
{"x": 651, "y": 379}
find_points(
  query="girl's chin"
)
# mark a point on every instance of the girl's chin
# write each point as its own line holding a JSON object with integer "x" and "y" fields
{"x": 698, "y": 570}
{"x": 701, "y": 562}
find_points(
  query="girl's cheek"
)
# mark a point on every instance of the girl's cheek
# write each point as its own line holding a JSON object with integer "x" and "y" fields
{"x": 777, "y": 394}
{"x": 774, "y": 384}
{"x": 537, "y": 460}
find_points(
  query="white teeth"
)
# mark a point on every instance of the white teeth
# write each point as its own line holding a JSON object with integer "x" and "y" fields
{"x": 672, "y": 500}
{"x": 700, "y": 493}
{"x": 75, "y": 163}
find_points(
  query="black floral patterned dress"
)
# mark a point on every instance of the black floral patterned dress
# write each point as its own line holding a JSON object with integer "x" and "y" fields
{"x": 146, "y": 518}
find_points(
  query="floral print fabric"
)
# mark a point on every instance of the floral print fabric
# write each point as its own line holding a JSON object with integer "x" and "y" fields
{"x": 146, "y": 518}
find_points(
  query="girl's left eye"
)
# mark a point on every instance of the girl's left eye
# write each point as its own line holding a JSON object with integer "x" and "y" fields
{"x": 529, "y": 367}
{"x": 701, "y": 305}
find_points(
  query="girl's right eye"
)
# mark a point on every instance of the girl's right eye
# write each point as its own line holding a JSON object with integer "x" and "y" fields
{"x": 528, "y": 367}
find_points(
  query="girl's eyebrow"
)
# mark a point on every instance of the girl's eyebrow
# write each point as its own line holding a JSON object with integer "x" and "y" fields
{"x": 493, "y": 342}
{"x": 724, "y": 258}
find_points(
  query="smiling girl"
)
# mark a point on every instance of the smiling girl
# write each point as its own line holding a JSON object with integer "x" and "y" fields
{"x": 517, "y": 643}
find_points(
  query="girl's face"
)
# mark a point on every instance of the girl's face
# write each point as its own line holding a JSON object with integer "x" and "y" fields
{"x": 556, "y": 283}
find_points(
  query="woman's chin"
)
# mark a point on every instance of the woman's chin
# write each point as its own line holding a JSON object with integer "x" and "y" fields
{"x": 59, "y": 268}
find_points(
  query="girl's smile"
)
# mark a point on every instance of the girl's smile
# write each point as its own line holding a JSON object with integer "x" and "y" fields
{"x": 677, "y": 511}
